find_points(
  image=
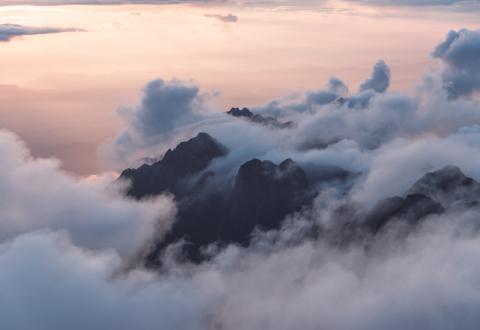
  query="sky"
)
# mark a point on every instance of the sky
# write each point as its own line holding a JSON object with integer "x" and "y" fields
{"x": 60, "y": 89}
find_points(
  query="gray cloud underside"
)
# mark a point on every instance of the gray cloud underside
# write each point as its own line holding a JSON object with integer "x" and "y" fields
{"x": 10, "y": 31}
{"x": 460, "y": 53}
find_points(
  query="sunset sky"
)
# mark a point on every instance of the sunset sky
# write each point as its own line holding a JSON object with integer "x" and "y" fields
{"x": 60, "y": 91}
{"x": 239, "y": 164}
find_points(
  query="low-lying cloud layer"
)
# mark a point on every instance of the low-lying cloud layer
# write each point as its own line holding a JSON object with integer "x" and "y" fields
{"x": 36, "y": 195}
{"x": 10, "y": 31}
{"x": 64, "y": 241}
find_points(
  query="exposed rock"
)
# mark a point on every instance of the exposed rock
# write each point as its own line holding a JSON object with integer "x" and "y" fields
{"x": 259, "y": 119}
{"x": 262, "y": 195}
{"x": 215, "y": 210}
{"x": 447, "y": 189}
{"x": 265, "y": 193}
{"x": 448, "y": 186}
{"x": 177, "y": 165}
{"x": 237, "y": 112}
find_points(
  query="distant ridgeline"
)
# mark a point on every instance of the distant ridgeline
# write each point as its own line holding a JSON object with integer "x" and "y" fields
{"x": 216, "y": 208}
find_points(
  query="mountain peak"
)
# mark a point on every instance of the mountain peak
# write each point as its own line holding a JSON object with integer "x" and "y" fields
{"x": 237, "y": 112}
{"x": 186, "y": 159}
{"x": 449, "y": 186}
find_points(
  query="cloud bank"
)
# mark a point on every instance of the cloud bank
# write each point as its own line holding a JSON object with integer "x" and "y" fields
{"x": 36, "y": 195}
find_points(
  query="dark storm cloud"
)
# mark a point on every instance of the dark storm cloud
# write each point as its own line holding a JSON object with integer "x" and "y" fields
{"x": 10, "y": 31}
{"x": 461, "y": 54}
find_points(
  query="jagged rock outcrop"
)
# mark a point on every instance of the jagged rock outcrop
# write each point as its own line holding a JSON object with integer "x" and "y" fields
{"x": 437, "y": 192}
{"x": 168, "y": 174}
{"x": 259, "y": 119}
{"x": 450, "y": 187}
{"x": 443, "y": 190}
{"x": 237, "y": 112}
{"x": 262, "y": 195}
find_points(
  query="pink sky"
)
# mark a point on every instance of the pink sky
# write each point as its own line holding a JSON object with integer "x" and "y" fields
{"x": 59, "y": 92}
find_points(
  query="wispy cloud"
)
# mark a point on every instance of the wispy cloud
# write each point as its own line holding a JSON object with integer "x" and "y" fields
{"x": 10, "y": 31}
{"x": 230, "y": 18}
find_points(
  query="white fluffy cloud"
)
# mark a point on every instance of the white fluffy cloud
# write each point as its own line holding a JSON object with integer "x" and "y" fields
{"x": 427, "y": 282}
{"x": 46, "y": 282}
{"x": 36, "y": 195}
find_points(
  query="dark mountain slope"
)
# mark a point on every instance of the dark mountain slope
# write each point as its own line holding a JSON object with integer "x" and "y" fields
{"x": 262, "y": 195}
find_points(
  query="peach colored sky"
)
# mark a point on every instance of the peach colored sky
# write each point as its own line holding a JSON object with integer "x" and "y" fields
{"x": 60, "y": 91}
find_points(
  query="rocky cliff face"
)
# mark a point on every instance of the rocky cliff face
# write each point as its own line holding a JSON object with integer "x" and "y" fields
{"x": 177, "y": 165}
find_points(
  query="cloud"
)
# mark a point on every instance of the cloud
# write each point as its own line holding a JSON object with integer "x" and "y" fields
{"x": 164, "y": 106}
{"x": 230, "y": 18}
{"x": 48, "y": 282}
{"x": 335, "y": 92}
{"x": 36, "y": 195}
{"x": 380, "y": 79}
{"x": 427, "y": 282}
{"x": 10, "y": 31}
{"x": 307, "y": 101}
{"x": 410, "y": 159}
{"x": 460, "y": 53}
{"x": 389, "y": 287}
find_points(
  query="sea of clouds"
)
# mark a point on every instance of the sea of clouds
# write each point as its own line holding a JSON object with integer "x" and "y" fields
{"x": 70, "y": 246}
